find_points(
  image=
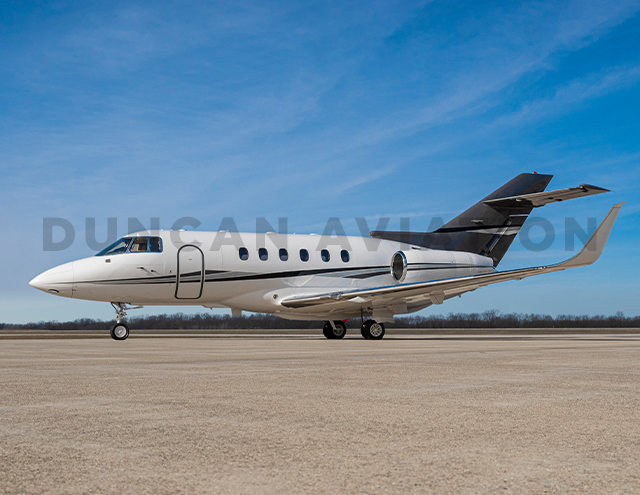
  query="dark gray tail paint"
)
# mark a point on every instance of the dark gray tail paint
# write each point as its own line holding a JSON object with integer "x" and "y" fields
{"x": 482, "y": 229}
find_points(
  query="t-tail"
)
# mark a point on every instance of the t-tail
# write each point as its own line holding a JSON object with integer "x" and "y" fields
{"x": 490, "y": 226}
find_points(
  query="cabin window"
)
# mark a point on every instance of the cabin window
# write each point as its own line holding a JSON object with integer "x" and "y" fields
{"x": 243, "y": 252}
{"x": 304, "y": 255}
{"x": 263, "y": 254}
{"x": 120, "y": 246}
{"x": 139, "y": 245}
{"x": 284, "y": 255}
{"x": 155, "y": 244}
{"x": 344, "y": 254}
{"x": 324, "y": 254}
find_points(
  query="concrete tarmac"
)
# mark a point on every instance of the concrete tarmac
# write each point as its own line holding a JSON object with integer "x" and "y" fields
{"x": 408, "y": 414}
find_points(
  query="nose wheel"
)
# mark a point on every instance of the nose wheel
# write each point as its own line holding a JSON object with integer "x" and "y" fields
{"x": 372, "y": 330}
{"x": 119, "y": 331}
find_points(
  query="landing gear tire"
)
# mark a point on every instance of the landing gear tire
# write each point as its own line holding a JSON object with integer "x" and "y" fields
{"x": 338, "y": 332}
{"x": 372, "y": 330}
{"x": 119, "y": 331}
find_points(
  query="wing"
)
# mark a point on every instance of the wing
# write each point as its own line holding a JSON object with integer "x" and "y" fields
{"x": 436, "y": 291}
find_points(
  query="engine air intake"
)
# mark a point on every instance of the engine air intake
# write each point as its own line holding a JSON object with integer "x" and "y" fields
{"x": 399, "y": 266}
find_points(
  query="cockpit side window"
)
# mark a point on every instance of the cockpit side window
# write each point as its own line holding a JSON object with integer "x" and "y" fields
{"x": 120, "y": 246}
{"x": 139, "y": 245}
{"x": 155, "y": 244}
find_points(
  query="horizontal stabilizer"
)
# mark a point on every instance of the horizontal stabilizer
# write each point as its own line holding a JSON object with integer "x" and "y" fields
{"x": 538, "y": 199}
{"x": 489, "y": 227}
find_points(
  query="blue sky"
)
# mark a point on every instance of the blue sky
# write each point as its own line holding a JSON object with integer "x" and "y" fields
{"x": 316, "y": 110}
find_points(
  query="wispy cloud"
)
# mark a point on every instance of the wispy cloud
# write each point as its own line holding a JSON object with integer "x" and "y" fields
{"x": 575, "y": 93}
{"x": 516, "y": 44}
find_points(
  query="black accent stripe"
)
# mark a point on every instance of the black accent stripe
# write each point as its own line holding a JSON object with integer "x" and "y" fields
{"x": 257, "y": 276}
{"x": 158, "y": 279}
{"x": 368, "y": 275}
{"x": 297, "y": 273}
{"x": 373, "y": 271}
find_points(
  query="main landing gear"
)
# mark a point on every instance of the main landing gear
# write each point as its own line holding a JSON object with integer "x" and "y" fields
{"x": 370, "y": 330}
{"x": 334, "y": 329}
{"x": 120, "y": 331}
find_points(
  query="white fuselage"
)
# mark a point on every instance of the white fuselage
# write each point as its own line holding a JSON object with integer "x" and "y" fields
{"x": 206, "y": 269}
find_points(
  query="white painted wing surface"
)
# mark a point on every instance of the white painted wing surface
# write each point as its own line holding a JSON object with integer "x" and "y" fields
{"x": 438, "y": 290}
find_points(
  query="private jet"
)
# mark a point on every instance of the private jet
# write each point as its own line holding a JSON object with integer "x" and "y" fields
{"x": 326, "y": 278}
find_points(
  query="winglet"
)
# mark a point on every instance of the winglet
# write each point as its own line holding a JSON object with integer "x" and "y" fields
{"x": 595, "y": 245}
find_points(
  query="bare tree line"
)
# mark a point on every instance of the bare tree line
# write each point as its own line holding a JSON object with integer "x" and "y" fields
{"x": 488, "y": 319}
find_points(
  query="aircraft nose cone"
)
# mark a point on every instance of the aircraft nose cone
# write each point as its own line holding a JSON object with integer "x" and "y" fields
{"x": 58, "y": 280}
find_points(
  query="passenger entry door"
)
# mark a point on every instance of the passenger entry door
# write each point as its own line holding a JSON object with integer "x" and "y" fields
{"x": 190, "y": 272}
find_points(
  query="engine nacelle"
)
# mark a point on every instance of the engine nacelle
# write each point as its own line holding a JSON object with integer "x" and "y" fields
{"x": 417, "y": 265}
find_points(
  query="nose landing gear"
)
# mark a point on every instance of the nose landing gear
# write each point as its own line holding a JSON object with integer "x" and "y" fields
{"x": 120, "y": 331}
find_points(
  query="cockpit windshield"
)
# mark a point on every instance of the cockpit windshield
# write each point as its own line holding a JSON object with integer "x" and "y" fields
{"x": 120, "y": 246}
{"x": 134, "y": 245}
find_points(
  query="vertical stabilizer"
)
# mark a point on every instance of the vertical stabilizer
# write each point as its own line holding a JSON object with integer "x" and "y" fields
{"x": 483, "y": 229}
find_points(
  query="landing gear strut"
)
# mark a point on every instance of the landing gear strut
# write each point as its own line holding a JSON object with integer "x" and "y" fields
{"x": 372, "y": 330}
{"x": 120, "y": 331}
{"x": 334, "y": 329}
